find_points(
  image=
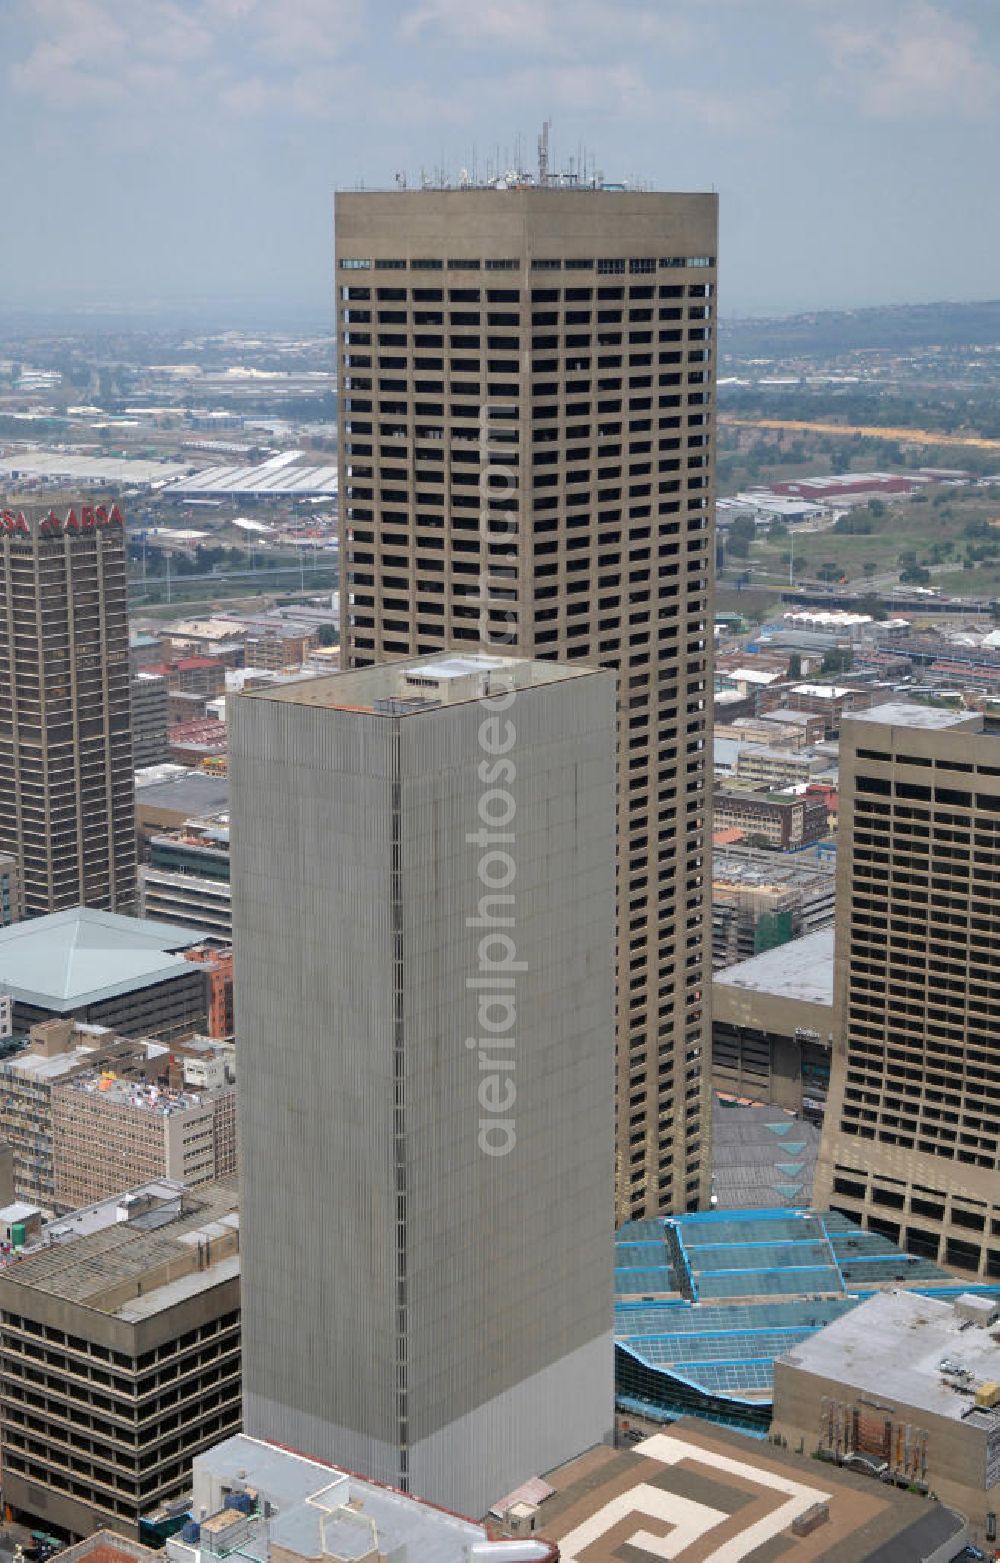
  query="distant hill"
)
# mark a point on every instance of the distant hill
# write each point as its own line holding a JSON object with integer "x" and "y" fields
{"x": 895, "y": 326}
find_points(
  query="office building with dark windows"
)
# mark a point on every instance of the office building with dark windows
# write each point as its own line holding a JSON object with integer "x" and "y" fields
{"x": 910, "y": 1143}
{"x": 526, "y": 436}
{"x": 65, "y": 726}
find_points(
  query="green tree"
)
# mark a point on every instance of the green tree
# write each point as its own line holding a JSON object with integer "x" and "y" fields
{"x": 876, "y": 507}
{"x": 828, "y": 571}
{"x": 914, "y": 575}
{"x": 327, "y": 635}
{"x": 795, "y": 665}
{"x": 837, "y": 661}
{"x": 871, "y": 605}
{"x": 870, "y": 567}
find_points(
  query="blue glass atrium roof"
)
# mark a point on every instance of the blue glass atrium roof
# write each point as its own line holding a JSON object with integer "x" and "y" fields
{"x": 705, "y": 1302}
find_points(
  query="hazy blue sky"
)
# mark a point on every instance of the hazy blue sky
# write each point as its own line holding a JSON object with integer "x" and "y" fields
{"x": 181, "y": 150}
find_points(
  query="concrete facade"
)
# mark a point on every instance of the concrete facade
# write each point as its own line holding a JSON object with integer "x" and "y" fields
{"x": 119, "y": 1356}
{"x": 772, "y": 1025}
{"x": 65, "y": 722}
{"x": 910, "y": 1140}
{"x": 527, "y": 462}
{"x": 10, "y": 891}
{"x": 426, "y": 1301}
{"x": 903, "y": 1385}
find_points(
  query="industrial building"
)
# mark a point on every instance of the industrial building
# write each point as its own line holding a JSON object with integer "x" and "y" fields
{"x": 704, "y": 1303}
{"x": 280, "y": 477}
{"x": 452, "y": 1328}
{"x": 257, "y": 1499}
{"x": 65, "y": 716}
{"x": 104, "y": 969}
{"x": 119, "y": 1355}
{"x": 906, "y": 1388}
{"x": 525, "y": 390}
{"x": 760, "y": 899}
{"x": 910, "y": 1140}
{"x": 772, "y": 1025}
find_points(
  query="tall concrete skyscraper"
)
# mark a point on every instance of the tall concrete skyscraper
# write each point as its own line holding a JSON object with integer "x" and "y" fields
{"x": 526, "y": 435}
{"x": 423, "y": 898}
{"x": 65, "y": 733}
{"x": 910, "y": 1143}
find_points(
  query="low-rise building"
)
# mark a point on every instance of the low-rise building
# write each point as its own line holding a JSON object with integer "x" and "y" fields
{"x": 811, "y": 725}
{"x": 192, "y": 742}
{"x": 782, "y": 821}
{"x": 104, "y": 969}
{"x": 216, "y": 964}
{"x": 694, "y": 1491}
{"x": 119, "y": 1355}
{"x": 830, "y": 701}
{"x": 777, "y": 767}
{"x": 906, "y": 1388}
{"x": 266, "y": 1502}
{"x": 187, "y": 877}
{"x": 167, "y": 795}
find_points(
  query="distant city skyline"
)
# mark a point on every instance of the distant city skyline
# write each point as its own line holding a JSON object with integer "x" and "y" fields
{"x": 183, "y": 155}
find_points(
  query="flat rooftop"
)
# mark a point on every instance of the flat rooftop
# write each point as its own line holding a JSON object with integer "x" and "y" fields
{"x": 312, "y": 1501}
{"x": 67, "y": 960}
{"x": 698, "y": 1492}
{"x": 130, "y": 1269}
{"x": 904, "y": 713}
{"x": 158, "y": 1101}
{"x": 802, "y": 969}
{"x": 415, "y": 685}
{"x": 194, "y": 793}
{"x": 705, "y": 1303}
{"x": 908, "y": 1348}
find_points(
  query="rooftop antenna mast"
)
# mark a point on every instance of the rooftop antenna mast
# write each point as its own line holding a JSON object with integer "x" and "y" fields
{"x": 543, "y": 153}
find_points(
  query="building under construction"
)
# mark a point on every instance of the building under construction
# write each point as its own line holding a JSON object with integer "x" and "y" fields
{"x": 760, "y": 900}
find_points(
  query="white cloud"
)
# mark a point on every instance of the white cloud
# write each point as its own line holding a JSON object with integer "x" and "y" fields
{"x": 919, "y": 61}
{"x": 553, "y": 29}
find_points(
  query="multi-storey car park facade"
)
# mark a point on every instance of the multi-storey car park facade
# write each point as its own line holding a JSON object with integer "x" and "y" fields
{"x": 65, "y": 724}
{"x": 910, "y": 1142}
{"x": 526, "y": 428}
